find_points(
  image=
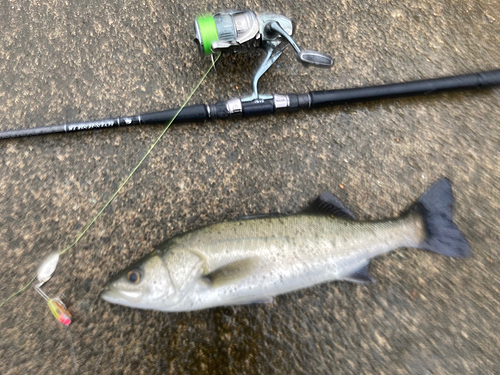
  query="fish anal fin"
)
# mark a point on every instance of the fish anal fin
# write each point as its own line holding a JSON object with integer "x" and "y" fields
{"x": 250, "y": 300}
{"x": 360, "y": 276}
{"x": 329, "y": 203}
{"x": 232, "y": 272}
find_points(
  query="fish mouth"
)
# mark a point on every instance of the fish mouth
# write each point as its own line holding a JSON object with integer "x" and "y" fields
{"x": 121, "y": 297}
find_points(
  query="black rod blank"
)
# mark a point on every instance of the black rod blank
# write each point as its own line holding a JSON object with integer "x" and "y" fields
{"x": 423, "y": 87}
{"x": 290, "y": 102}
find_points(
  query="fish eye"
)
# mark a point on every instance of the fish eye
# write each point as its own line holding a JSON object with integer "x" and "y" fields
{"x": 134, "y": 276}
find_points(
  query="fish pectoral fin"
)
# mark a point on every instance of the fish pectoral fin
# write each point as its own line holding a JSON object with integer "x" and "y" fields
{"x": 360, "y": 276}
{"x": 232, "y": 272}
{"x": 329, "y": 203}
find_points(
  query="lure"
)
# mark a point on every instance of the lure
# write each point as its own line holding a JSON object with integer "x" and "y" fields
{"x": 56, "y": 306}
{"x": 59, "y": 311}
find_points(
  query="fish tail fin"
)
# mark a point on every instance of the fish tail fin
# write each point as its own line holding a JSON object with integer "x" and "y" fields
{"x": 443, "y": 237}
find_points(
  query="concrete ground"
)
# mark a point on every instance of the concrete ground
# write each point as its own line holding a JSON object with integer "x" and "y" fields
{"x": 71, "y": 60}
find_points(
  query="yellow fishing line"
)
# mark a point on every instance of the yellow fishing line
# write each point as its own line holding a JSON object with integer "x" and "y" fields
{"x": 124, "y": 182}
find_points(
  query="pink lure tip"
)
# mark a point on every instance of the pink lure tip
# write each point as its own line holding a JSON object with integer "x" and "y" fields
{"x": 59, "y": 311}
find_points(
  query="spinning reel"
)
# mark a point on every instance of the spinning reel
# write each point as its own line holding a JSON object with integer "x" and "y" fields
{"x": 242, "y": 31}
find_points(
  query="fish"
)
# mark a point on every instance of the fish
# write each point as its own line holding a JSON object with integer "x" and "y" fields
{"x": 254, "y": 259}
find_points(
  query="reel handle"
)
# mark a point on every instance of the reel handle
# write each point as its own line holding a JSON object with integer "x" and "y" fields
{"x": 307, "y": 57}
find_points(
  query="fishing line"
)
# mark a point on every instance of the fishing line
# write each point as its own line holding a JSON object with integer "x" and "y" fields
{"x": 125, "y": 181}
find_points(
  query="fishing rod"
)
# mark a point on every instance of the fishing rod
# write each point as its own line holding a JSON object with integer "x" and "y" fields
{"x": 243, "y": 31}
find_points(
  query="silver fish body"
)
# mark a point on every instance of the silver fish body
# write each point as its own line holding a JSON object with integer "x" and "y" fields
{"x": 256, "y": 259}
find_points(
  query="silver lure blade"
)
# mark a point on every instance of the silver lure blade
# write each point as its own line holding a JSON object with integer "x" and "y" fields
{"x": 47, "y": 268}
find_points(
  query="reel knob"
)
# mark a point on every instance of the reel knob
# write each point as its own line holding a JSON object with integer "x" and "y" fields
{"x": 315, "y": 58}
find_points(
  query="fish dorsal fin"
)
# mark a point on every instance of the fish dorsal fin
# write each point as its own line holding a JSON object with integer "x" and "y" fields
{"x": 360, "y": 276}
{"x": 232, "y": 272}
{"x": 329, "y": 203}
{"x": 257, "y": 216}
